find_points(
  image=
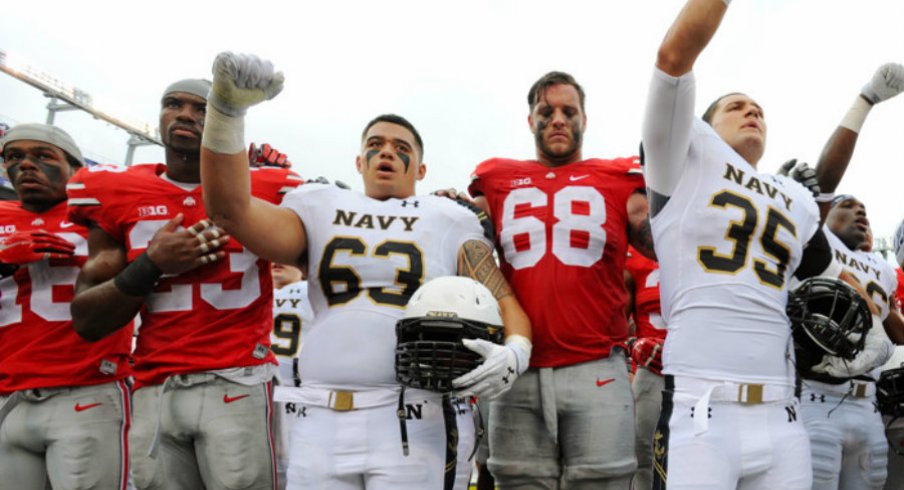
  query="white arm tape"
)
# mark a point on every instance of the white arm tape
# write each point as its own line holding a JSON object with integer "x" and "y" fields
{"x": 825, "y": 197}
{"x": 223, "y": 134}
{"x": 856, "y": 115}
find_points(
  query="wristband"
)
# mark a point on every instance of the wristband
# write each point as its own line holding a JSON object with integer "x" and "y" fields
{"x": 856, "y": 115}
{"x": 223, "y": 133}
{"x": 825, "y": 197}
{"x": 139, "y": 277}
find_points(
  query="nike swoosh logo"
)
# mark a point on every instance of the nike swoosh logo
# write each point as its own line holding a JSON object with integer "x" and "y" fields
{"x": 575, "y": 178}
{"x": 66, "y": 224}
{"x": 82, "y": 408}
{"x": 227, "y": 399}
{"x": 604, "y": 382}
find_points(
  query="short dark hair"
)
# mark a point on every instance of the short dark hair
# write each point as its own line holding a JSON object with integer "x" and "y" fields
{"x": 711, "y": 110}
{"x": 548, "y": 80}
{"x": 401, "y": 121}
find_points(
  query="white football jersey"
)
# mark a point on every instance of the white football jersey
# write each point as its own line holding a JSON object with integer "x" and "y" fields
{"x": 876, "y": 276}
{"x": 366, "y": 258}
{"x": 292, "y": 319}
{"x": 728, "y": 241}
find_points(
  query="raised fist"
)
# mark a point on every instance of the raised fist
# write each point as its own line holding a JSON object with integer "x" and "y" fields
{"x": 887, "y": 82}
{"x": 241, "y": 81}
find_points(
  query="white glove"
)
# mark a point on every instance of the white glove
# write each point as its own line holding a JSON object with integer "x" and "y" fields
{"x": 241, "y": 81}
{"x": 876, "y": 352}
{"x": 887, "y": 82}
{"x": 501, "y": 367}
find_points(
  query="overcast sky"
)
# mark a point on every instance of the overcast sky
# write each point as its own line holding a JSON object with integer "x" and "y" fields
{"x": 460, "y": 72}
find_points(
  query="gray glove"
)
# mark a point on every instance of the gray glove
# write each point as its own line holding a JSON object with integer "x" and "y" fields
{"x": 241, "y": 81}
{"x": 802, "y": 173}
{"x": 887, "y": 82}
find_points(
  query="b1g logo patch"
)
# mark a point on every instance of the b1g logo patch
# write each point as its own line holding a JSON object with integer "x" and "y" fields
{"x": 145, "y": 211}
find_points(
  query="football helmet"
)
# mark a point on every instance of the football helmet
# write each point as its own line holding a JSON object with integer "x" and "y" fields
{"x": 890, "y": 388}
{"x": 442, "y": 312}
{"x": 828, "y": 317}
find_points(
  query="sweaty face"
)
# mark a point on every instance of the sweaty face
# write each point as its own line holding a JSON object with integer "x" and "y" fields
{"x": 739, "y": 120}
{"x": 848, "y": 221}
{"x": 182, "y": 122}
{"x": 389, "y": 161}
{"x": 39, "y": 172}
{"x": 558, "y": 122}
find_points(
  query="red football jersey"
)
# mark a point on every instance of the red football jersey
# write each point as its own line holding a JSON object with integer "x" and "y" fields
{"x": 646, "y": 295}
{"x": 562, "y": 236}
{"x": 213, "y": 317}
{"x": 38, "y": 346}
{"x": 899, "y": 293}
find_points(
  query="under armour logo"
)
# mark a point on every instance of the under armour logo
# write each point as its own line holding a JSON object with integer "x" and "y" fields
{"x": 821, "y": 398}
{"x": 505, "y": 378}
{"x": 709, "y": 412}
{"x": 406, "y": 203}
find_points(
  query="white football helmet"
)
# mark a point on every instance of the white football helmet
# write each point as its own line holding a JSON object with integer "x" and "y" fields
{"x": 442, "y": 312}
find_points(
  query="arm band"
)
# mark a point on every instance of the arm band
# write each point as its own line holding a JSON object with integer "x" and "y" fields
{"x": 139, "y": 277}
{"x": 856, "y": 115}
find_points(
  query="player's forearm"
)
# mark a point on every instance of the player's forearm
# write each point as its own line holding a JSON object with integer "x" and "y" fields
{"x": 100, "y": 310}
{"x": 226, "y": 184}
{"x": 852, "y": 281}
{"x": 835, "y": 157}
{"x": 894, "y": 327}
{"x": 514, "y": 318}
{"x": 689, "y": 35}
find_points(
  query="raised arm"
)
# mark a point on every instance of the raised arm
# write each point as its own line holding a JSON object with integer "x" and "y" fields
{"x": 887, "y": 82}
{"x": 239, "y": 82}
{"x": 669, "y": 115}
{"x": 689, "y": 34}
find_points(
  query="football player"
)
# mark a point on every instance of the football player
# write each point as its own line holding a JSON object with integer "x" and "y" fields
{"x": 64, "y": 401}
{"x": 570, "y": 419}
{"x": 847, "y": 435}
{"x": 203, "y": 366}
{"x": 729, "y": 418}
{"x": 292, "y": 317}
{"x": 642, "y": 283}
{"x": 367, "y": 254}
